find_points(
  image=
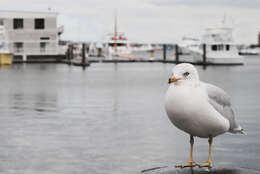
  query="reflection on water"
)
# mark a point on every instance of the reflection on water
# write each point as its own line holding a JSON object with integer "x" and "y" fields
{"x": 110, "y": 118}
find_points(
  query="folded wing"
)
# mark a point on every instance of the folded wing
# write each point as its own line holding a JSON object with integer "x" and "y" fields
{"x": 221, "y": 101}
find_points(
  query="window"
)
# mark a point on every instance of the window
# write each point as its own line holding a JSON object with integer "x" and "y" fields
{"x": 45, "y": 38}
{"x": 220, "y": 47}
{"x": 214, "y": 47}
{"x": 39, "y": 23}
{"x": 43, "y": 47}
{"x": 18, "y": 23}
{"x": 18, "y": 47}
{"x": 227, "y": 47}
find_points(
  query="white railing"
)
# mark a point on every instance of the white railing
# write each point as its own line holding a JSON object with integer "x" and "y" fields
{"x": 35, "y": 51}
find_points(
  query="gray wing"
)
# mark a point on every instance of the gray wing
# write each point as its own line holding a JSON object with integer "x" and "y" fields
{"x": 221, "y": 101}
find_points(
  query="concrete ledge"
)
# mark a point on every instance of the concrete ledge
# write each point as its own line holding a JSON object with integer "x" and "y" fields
{"x": 196, "y": 170}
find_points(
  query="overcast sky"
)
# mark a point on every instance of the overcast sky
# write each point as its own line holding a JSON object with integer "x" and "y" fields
{"x": 148, "y": 20}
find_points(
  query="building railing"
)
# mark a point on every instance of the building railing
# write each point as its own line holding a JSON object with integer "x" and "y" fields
{"x": 34, "y": 30}
{"x": 35, "y": 51}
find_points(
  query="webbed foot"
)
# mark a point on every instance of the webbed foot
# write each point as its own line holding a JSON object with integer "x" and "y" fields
{"x": 188, "y": 164}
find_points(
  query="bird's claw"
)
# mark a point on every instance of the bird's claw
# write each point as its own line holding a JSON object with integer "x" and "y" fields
{"x": 188, "y": 164}
{"x": 207, "y": 164}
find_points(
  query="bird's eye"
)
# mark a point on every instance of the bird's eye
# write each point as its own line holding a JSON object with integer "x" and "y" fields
{"x": 186, "y": 73}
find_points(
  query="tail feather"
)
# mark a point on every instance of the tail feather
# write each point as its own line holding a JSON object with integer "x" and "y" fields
{"x": 242, "y": 132}
{"x": 238, "y": 130}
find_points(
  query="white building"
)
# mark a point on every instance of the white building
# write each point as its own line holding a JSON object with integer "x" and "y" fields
{"x": 31, "y": 33}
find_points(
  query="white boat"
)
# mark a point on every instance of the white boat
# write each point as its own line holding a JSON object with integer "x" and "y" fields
{"x": 220, "y": 47}
{"x": 141, "y": 47}
{"x": 187, "y": 44}
{"x": 116, "y": 45}
{"x": 96, "y": 49}
{"x": 250, "y": 50}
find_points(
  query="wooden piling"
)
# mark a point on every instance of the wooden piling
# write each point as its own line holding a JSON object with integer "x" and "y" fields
{"x": 176, "y": 53}
{"x": 83, "y": 54}
{"x": 164, "y": 52}
{"x": 71, "y": 52}
{"x": 67, "y": 53}
{"x": 68, "y": 58}
{"x": 99, "y": 54}
{"x": 204, "y": 56}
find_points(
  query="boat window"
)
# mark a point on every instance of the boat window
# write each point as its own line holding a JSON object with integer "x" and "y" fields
{"x": 214, "y": 47}
{"x": 220, "y": 47}
{"x": 118, "y": 44}
{"x": 121, "y": 44}
{"x": 227, "y": 47}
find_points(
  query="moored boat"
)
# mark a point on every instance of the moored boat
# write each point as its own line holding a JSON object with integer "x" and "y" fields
{"x": 220, "y": 47}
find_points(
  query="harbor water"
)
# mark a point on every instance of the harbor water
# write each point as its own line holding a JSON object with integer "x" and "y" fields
{"x": 110, "y": 118}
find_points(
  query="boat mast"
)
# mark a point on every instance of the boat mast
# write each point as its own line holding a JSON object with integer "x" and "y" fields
{"x": 115, "y": 33}
{"x": 224, "y": 21}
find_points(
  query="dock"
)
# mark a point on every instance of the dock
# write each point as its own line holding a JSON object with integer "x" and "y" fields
{"x": 77, "y": 54}
{"x": 78, "y": 58}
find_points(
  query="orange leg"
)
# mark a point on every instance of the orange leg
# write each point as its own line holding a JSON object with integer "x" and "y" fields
{"x": 209, "y": 163}
{"x": 191, "y": 163}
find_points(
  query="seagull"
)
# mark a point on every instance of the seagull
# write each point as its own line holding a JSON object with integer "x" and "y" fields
{"x": 199, "y": 109}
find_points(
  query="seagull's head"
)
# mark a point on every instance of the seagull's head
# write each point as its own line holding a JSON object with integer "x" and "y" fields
{"x": 184, "y": 72}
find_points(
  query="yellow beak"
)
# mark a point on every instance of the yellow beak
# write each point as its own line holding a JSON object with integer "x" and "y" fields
{"x": 173, "y": 79}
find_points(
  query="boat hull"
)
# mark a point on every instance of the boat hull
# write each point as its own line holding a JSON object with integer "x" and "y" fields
{"x": 218, "y": 59}
{"x": 221, "y": 60}
{"x": 226, "y": 60}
